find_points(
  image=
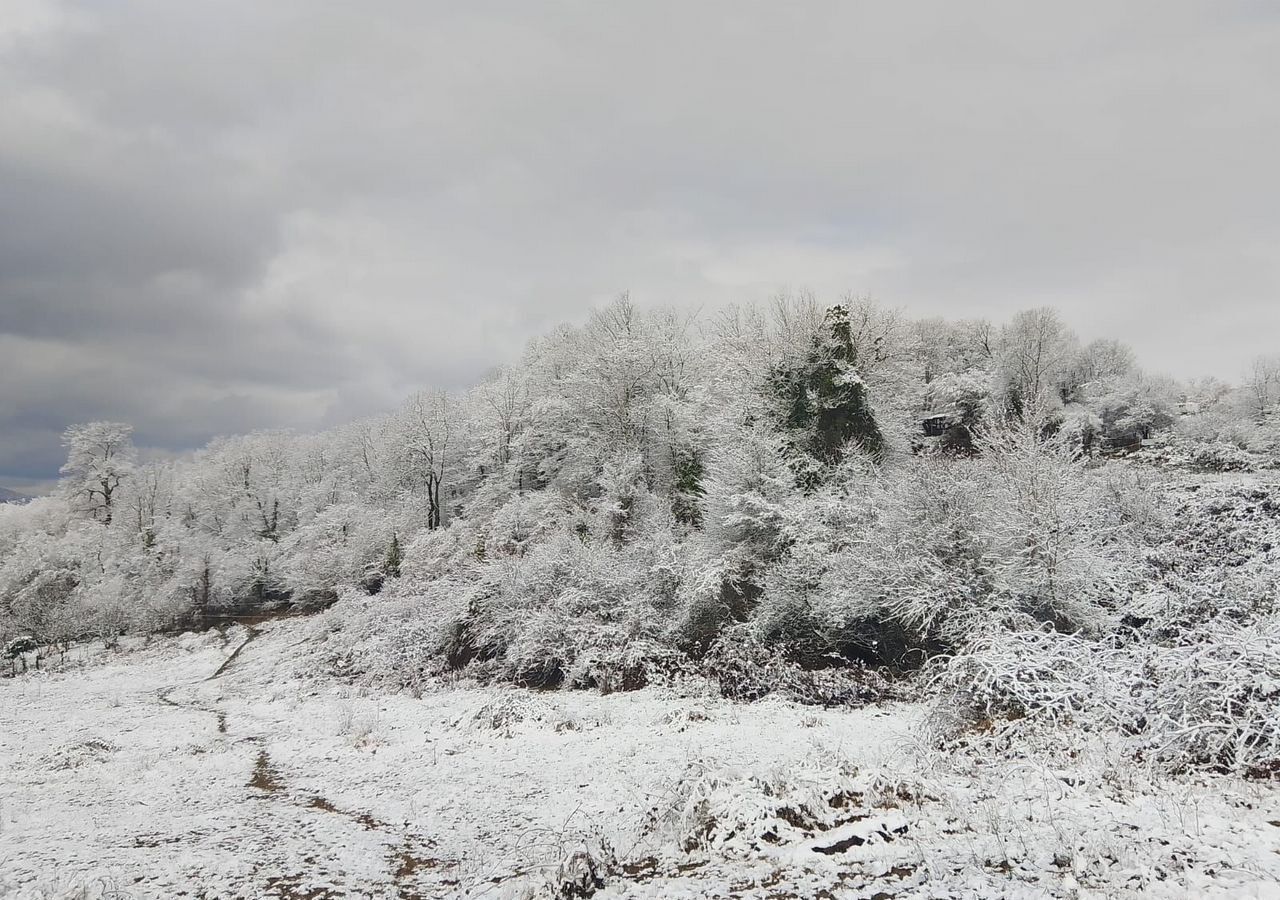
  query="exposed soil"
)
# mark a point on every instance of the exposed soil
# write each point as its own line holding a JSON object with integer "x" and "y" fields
{"x": 265, "y": 777}
{"x": 226, "y": 664}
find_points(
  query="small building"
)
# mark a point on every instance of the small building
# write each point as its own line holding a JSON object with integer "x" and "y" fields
{"x": 937, "y": 424}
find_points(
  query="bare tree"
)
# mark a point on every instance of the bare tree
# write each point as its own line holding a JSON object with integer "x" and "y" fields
{"x": 1035, "y": 355}
{"x": 507, "y": 397}
{"x": 883, "y": 341}
{"x": 149, "y": 499}
{"x": 100, "y": 455}
{"x": 429, "y": 421}
{"x": 1103, "y": 358}
{"x": 1262, "y": 385}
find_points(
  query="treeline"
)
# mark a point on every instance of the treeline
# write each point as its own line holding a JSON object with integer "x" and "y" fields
{"x": 851, "y": 483}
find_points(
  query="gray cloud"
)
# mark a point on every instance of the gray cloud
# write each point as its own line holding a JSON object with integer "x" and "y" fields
{"x": 222, "y": 216}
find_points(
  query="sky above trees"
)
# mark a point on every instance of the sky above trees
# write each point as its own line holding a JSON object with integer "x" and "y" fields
{"x": 224, "y": 216}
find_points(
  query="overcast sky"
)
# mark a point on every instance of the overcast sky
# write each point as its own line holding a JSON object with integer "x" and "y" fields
{"x": 220, "y": 216}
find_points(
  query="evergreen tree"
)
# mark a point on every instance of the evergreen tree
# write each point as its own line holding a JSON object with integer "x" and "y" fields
{"x": 824, "y": 400}
{"x": 687, "y": 490}
{"x": 391, "y": 568}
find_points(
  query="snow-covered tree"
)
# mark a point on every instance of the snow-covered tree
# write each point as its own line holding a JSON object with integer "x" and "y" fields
{"x": 1034, "y": 359}
{"x": 823, "y": 401}
{"x": 635, "y": 486}
{"x": 1262, "y": 385}
{"x": 422, "y": 452}
{"x": 100, "y": 456}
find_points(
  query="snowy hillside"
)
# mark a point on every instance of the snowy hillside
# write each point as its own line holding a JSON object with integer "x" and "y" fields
{"x": 219, "y": 765}
{"x": 639, "y": 451}
{"x": 803, "y": 603}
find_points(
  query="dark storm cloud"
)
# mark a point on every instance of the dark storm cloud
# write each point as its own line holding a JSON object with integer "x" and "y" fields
{"x": 222, "y": 216}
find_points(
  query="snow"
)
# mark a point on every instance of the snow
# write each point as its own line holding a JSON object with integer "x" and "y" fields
{"x": 118, "y": 777}
{"x": 141, "y": 774}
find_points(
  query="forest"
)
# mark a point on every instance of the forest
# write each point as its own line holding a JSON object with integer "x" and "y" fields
{"x": 788, "y": 487}
{"x": 826, "y": 505}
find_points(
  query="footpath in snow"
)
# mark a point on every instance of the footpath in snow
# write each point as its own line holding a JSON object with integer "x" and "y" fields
{"x": 206, "y": 766}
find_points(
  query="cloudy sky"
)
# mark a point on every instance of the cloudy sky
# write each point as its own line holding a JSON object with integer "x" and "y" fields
{"x": 219, "y": 216}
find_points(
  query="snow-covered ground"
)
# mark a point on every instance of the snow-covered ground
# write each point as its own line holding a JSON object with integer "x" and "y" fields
{"x": 217, "y": 765}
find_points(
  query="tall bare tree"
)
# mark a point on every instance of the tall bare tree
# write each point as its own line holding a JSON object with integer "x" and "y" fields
{"x": 1262, "y": 385}
{"x": 429, "y": 433}
{"x": 100, "y": 455}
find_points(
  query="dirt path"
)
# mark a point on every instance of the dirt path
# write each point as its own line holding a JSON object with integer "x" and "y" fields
{"x": 408, "y": 856}
{"x": 226, "y": 664}
{"x": 220, "y": 716}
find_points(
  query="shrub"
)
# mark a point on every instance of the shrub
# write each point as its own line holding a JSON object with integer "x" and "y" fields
{"x": 746, "y": 669}
{"x": 1219, "y": 457}
{"x": 1210, "y": 700}
{"x": 713, "y": 807}
{"x": 1037, "y": 677}
{"x": 1213, "y": 700}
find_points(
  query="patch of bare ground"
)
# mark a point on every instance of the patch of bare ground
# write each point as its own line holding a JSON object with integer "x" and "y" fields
{"x": 363, "y": 819}
{"x": 640, "y": 870}
{"x": 290, "y": 887}
{"x": 226, "y": 663}
{"x": 265, "y": 777}
{"x": 409, "y": 863}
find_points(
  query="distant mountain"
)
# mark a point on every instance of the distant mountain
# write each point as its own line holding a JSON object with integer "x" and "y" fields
{"x": 8, "y": 496}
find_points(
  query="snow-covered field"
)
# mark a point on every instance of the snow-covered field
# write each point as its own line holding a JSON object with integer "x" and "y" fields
{"x": 217, "y": 765}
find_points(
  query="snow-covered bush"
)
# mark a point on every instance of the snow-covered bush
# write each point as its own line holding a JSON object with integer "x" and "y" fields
{"x": 747, "y": 489}
{"x": 562, "y": 609}
{"x": 393, "y": 641}
{"x": 1210, "y": 700}
{"x": 1213, "y": 700}
{"x": 1022, "y": 535}
{"x": 710, "y": 807}
{"x": 746, "y": 668}
{"x": 524, "y": 521}
{"x": 1219, "y": 457}
{"x": 1043, "y": 678}
{"x": 966, "y": 395}
{"x": 1132, "y": 500}
{"x": 1217, "y": 442}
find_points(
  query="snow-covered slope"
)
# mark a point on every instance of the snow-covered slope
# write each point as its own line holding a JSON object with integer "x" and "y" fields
{"x": 216, "y": 765}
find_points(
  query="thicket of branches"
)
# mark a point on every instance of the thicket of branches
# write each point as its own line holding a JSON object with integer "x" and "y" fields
{"x": 784, "y": 489}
